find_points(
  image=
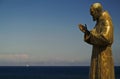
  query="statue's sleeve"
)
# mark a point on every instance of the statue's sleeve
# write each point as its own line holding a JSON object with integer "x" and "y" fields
{"x": 103, "y": 38}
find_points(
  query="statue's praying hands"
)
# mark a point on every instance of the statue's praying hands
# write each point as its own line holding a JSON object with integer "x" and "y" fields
{"x": 83, "y": 28}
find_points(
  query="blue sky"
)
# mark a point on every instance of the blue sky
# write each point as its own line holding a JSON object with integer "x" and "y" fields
{"x": 45, "y": 32}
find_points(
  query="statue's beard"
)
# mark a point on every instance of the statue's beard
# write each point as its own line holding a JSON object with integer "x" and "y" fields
{"x": 94, "y": 18}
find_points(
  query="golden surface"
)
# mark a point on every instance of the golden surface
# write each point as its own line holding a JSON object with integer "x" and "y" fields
{"x": 101, "y": 37}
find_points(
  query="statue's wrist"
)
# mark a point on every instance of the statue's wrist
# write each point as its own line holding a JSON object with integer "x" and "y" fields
{"x": 87, "y": 32}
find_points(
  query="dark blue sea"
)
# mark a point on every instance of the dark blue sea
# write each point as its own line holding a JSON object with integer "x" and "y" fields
{"x": 48, "y": 72}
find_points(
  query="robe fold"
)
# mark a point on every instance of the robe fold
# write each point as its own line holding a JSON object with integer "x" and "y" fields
{"x": 101, "y": 37}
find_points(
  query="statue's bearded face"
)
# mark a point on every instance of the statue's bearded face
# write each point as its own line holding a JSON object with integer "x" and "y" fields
{"x": 94, "y": 14}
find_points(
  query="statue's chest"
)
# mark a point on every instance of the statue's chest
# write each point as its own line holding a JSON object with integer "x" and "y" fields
{"x": 99, "y": 27}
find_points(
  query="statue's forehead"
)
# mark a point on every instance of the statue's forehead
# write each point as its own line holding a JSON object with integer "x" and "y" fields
{"x": 92, "y": 9}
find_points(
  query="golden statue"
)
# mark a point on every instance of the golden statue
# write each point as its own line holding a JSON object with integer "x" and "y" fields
{"x": 101, "y": 38}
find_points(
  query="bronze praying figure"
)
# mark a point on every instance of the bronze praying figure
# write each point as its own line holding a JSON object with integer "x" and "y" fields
{"x": 101, "y": 38}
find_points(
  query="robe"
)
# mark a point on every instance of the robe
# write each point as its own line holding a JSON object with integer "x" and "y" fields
{"x": 101, "y": 38}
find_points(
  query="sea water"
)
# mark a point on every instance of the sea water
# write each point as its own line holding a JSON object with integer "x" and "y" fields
{"x": 48, "y": 72}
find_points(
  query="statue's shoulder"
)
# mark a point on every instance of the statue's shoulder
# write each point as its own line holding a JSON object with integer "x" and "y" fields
{"x": 106, "y": 15}
{"x": 106, "y": 18}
